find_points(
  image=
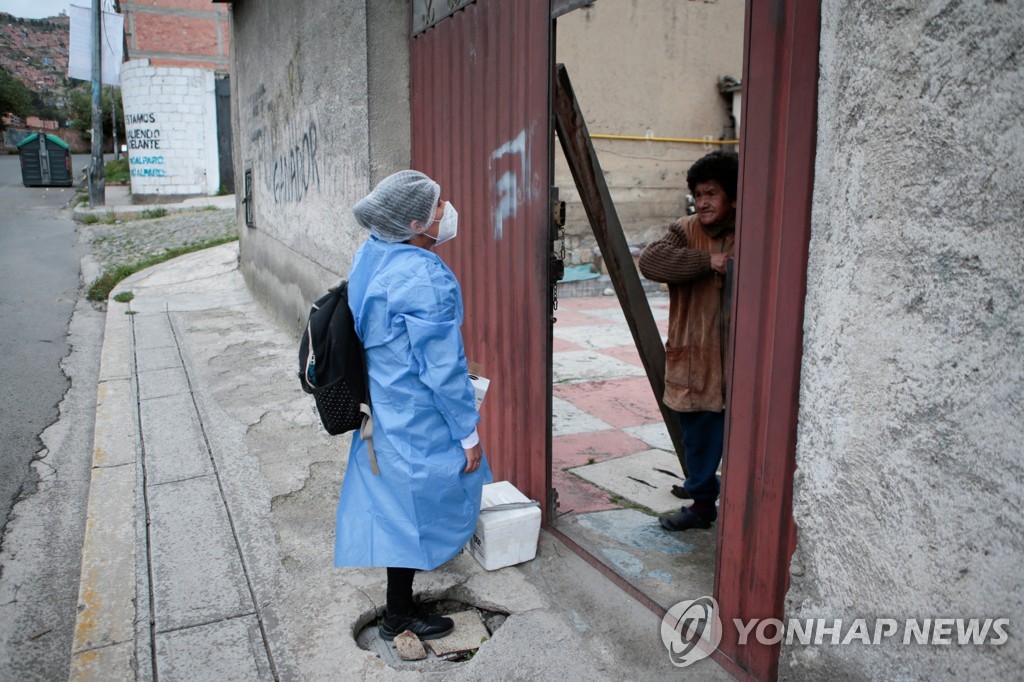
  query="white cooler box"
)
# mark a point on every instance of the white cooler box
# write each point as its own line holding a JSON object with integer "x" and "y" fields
{"x": 506, "y": 537}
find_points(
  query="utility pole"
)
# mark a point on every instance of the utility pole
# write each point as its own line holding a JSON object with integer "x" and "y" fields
{"x": 113, "y": 123}
{"x": 97, "y": 185}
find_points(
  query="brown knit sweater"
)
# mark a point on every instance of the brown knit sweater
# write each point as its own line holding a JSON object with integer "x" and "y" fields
{"x": 695, "y": 349}
{"x": 669, "y": 259}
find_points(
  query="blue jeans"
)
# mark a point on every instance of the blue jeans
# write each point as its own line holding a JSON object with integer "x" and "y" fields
{"x": 703, "y": 434}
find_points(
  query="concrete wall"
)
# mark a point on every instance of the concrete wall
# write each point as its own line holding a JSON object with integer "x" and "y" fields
{"x": 646, "y": 67}
{"x": 171, "y": 128}
{"x": 321, "y": 99}
{"x": 910, "y": 483}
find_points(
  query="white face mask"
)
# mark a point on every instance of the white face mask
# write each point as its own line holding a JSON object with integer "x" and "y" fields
{"x": 448, "y": 226}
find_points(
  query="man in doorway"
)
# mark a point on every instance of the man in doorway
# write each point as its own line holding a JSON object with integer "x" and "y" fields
{"x": 692, "y": 259}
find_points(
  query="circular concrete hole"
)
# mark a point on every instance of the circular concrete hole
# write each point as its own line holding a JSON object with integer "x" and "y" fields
{"x": 368, "y": 638}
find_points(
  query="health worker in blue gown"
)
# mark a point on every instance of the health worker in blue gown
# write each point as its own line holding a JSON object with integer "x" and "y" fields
{"x": 421, "y": 509}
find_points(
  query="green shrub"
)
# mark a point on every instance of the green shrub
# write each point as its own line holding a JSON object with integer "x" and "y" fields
{"x": 154, "y": 213}
{"x": 124, "y": 297}
{"x": 116, "y": 172}
{"x": 100, "y": 289}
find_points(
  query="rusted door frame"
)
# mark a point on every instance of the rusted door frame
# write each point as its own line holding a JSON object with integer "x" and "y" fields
{"x": 757, "y": 534}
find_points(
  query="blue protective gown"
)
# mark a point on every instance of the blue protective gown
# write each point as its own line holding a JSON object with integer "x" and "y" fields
{"x": 422, "y": 509}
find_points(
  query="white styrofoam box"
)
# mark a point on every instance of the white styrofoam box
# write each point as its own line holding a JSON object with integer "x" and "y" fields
{"x": 480, "y": 385}
{"x": 508, "y": 537}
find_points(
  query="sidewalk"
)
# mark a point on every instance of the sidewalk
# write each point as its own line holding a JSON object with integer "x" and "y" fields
{"x": 209, "y": 540}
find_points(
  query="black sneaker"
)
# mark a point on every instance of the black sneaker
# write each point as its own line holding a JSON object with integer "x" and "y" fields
{"x": 424, "y": 626}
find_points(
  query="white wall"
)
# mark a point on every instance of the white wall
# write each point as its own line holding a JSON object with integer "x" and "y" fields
{"x": 910, "y": 480}
{"x": 171, "y": 129}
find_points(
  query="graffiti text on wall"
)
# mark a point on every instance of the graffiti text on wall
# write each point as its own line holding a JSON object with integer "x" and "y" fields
{"x": 295, "y": 172}
{"x": 147, "y": 166}
{"x": 139, "y": 137}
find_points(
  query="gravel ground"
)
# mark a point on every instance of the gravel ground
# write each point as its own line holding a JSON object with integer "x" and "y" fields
{"x": 130, "y": 241}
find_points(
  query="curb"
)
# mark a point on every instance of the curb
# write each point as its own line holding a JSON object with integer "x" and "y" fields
{"x": 104, "y": 637}
{"x": 225, "y": 202}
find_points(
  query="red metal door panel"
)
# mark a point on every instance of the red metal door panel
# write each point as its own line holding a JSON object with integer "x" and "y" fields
{"x": 757, "y": 534}
{"x": 480, "y": 83}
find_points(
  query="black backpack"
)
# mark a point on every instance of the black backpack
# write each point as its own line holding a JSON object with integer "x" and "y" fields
{"x": 332, "y": 367}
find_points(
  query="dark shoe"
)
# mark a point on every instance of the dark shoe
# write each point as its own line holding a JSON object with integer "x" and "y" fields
{"x": 680, "y": 492}
{"x": 424, "y": 626}
{"x": 683, "y": 520}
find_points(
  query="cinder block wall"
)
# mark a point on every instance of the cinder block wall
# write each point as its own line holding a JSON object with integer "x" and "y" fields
{"x": 171, "y": 128}
{"x": 320, "y": 94}
{"x": 909, "y": 482}
{"x": 646, "y": 68}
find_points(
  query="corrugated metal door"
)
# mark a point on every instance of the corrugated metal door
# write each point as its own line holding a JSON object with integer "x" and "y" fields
{"x": 480, "y": 82}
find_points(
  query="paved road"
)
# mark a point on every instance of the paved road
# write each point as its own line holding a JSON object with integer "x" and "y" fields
{"x": 47, "y": 366}
{"x": 39, "y": 281}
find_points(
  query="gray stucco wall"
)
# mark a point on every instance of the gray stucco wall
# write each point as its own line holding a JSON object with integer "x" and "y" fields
{"x": 322, "y": 114}
{"x": 909, "y": 480}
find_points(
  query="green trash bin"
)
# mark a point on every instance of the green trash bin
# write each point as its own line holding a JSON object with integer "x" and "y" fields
{"x": 45, "y": 161}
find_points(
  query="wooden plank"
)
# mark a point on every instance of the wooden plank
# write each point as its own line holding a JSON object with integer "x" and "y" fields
{"x": 604, "y": 220}
{"x": 560, "y": 7}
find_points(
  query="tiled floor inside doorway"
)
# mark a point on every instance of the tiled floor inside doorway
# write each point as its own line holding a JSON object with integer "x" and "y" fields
{"x": 612, "y": 460}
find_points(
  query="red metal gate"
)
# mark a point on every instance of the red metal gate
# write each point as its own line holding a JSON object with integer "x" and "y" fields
{"x": 480, "y": 102}
{"x": 480, "y": 82}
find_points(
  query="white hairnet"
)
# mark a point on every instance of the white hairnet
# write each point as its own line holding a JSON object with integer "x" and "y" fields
{"x": 395, "y": 202}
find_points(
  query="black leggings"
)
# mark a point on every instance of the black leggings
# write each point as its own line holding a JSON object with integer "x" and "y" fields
{"x": 400, "y": 590}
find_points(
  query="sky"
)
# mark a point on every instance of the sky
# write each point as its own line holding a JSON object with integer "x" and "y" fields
{"x": 40, "y": 9}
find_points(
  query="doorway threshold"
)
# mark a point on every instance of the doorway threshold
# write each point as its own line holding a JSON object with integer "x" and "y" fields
{"x": 665, "y": 567}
